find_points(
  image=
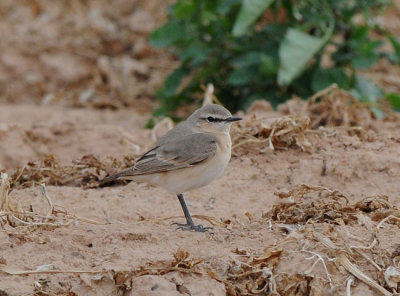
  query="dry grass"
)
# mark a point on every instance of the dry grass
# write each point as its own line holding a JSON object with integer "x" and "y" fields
{"x": 14, "y": 219}
{"x": 85, "y": 172}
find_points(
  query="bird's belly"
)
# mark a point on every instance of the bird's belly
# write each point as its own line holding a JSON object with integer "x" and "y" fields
{"x": 186, "y": 179}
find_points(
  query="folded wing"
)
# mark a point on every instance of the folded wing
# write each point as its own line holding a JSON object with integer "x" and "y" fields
{"x": 180, "y": 153}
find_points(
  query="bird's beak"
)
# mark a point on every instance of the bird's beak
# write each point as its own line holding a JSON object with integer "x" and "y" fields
{"x": 233, "y": 118}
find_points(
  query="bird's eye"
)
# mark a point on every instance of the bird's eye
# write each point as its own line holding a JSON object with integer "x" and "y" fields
{"x": 210, "y": 119}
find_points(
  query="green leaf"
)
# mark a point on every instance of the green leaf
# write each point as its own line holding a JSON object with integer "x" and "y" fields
{"x": 360, "y": 33}
{"x": 172, "y": 83}
{"x": 394, "y": 99}
{"x": 271, "y": 96}
{"x": 369, "y": 92}
{"x": 396, "y": 46}
{"x": 242, "y": 76}
{"x": 226, "y": 5}
{"x": 184, "y": 8}
{"x": 365, "y": 53}
{"x": 322, "y": 78}
{"x": 267, "y": 67}
{"x": 195, "y": 54}
{"x": 250, "y": 11}
{"x": 150, "y": 123}
{"x": 364, "y": 61}
{"x": 366, "y": 91}
{"x": 169, "y": 34}
{"x": 248, "y": 59}
{"x": 296, "y": 51}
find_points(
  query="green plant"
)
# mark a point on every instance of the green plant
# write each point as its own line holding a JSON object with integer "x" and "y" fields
{"x": 270, "y": 49}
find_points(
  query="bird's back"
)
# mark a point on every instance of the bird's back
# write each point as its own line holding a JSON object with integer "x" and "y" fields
{"x": 181, "y": 130}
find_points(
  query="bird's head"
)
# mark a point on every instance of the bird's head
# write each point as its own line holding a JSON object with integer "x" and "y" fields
{"x": 212, "y": 118}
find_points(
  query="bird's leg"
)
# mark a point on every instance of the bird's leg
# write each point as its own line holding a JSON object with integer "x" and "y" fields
{"x": 189, "y": 222}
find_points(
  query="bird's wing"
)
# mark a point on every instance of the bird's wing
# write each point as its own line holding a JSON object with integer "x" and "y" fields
{"x": 181, "y": 153}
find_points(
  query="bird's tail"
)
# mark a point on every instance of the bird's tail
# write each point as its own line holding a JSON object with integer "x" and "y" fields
{"x": 107, "y": 180}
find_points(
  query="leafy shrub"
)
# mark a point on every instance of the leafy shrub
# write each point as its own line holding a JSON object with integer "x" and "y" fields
{"x": 270, "y": 49}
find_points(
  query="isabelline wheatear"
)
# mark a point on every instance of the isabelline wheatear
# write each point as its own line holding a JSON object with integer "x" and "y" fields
{"x": 189, "y": 156}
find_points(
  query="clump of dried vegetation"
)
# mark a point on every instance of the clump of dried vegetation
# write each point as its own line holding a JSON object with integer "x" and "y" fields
{"x": 322, "y": 205}
{"x": 331, "y": 107}
{"x": 317, "y": 217}
{"x": 85, "y": 172}
{"x": 328, "y": 108}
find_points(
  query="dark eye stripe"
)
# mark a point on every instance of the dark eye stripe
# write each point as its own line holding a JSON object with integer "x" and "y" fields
{"x": 214, "y": 119}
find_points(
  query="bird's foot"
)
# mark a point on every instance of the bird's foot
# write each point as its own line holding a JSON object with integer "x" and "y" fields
{"x": 194, "y": 227}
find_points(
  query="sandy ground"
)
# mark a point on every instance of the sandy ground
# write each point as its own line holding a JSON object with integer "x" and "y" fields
{"x": 312, "y": 218}
{"x": 135, "y": 221}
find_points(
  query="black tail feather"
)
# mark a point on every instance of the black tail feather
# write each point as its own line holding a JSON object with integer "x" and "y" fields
{"x": 107, "y": 181}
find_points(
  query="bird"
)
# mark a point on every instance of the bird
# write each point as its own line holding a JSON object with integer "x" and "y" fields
{"x": 191, "y": 155}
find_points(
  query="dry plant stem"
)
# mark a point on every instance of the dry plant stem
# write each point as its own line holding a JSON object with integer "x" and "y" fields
{"x": 212, "y": 220}
{"x": 50, "y": 219}
{"x": 41, "y": 223}
{"x": 359, "y": 249}
{"x": 323, "y": 92}
{"x": 66, "y": 216}
{"x": 374, "y": 242}
{"x": 233, "y": 276}
{"x": 350, "y": 267}
{"x": 350, "y": 280}
{"x": 164, "y": 122}
{"x": 20, "y": 174}
{"x": 46, "y": 196}
{"x": 13, "y": 271}
{"x": 4, "y": 189}
{"x": 386, "y": 219}
{"x": 271, "y": 146}
{"x": 208, "y": 94}
{"x": 142, "y": 271}
{"x": 369, "y": 259}
{"x": 272, "y": 282}
{"x": 315, "y": 263}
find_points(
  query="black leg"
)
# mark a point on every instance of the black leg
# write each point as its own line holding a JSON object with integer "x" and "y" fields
{"x": 189, "y": 222}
